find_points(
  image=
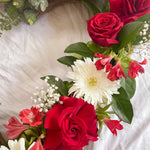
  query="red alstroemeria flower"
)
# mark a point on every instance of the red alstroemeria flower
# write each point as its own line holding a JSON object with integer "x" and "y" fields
{"x": 36, "y": 146}
{"x": 113, "y": 125}
{"x": 136, "y": 67}
{"x": 116, "y": 72}
{"x": 101, "y": 63}
{"x": 15, "y": 128}
{"x": 33, "y": 117}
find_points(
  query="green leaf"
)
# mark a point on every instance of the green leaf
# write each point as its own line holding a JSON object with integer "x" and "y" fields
{"x": 32, "y": 140}
{"x": 93, "y": 5}
{"x": 30, "y": 132}
{"x": 67, "y": 60}
{"x": 62, "y": 89}
{"x": 106, "y": 6}
{"x": 98, "y": 49}
{"x": 79, "y": 48}
{"x": 42, "y": 4}
{"x": 127, "y": 34}
{"x": 129, "y": 85}
{"x": 144, "y": 18}
{"x": 5, "y": 0}
{"x": 19, "y": 3}
{"x": 30, "y": 16}
{"x": 68, "y": 84}
{"x": 122, "y": 106}
{"x": 103, "y": 109}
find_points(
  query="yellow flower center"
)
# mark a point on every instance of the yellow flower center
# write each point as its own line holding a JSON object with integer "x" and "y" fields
{"x": 92, "y": 81}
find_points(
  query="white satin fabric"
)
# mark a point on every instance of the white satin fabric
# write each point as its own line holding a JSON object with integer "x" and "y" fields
{"x": 30, "y": 52}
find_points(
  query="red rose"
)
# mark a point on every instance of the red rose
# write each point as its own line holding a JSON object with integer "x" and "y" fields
{"x": 130, "y": 10}
{"x": 103, "y": 28}
{"x": 70, "y": 125}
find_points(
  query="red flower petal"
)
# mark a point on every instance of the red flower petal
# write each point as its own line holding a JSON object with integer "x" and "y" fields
{"x": 68, "y": 126}
{"x": 113, "y": 125}
{"x": 136, "y": 67}
{"x": 15, "y": 128}
{"x": 116, "y": 72}
{"x": 33, "y": 117}
{"x": 37, "y": 146}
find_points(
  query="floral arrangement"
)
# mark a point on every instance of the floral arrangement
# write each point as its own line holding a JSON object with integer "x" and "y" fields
{"x": 66, "y": 115}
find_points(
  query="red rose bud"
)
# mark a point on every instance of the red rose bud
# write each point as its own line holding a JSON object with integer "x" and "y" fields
{"x": 15, "y": 128}
{"x": 113, "y": 125}
{"x": 136, "y": 67}
{"x": 70, "y": 125}
{"x": 103, "y": 28}
{"x": 33, "y": 117}
{"x": 116, "y": 72}
{"x": 101, "y": 63}
{"x": 130, "y": 10}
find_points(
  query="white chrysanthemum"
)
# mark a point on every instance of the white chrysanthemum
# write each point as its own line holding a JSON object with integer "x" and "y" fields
{"x": 14, "y": 145}
{"x": 91, "y": 83}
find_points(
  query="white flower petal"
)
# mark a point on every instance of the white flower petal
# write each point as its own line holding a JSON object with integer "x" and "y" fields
{"x": 3, "y": 148}
{"x": 91, "y": 83}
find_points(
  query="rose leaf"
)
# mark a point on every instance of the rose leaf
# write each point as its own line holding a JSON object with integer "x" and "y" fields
{"x": 122, "y": 106}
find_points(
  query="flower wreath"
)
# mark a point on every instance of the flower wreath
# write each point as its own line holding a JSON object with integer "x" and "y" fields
{"x": 69, "y": 114}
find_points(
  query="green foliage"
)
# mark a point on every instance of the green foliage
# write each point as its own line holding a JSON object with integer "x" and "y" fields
{"x": 129, "y": 85}
{"x": 122, "y": 106}
{"x": 101, "y": 113}
{"x": 18, "y": 3}
{"x": 62, "y": 89}
{"x": 96, "y": 48}
{"x": 143, "y": 34}
{"x": 127, "y": 34}
{"x": 79, "y": 48}
{"x": 144, "y": 18}
{"x": 30, "y": 16}
{"x": 67, "y": 60}
{"x": 106, "y": 6}
{"x": 93, "y": 5}
{"x": 39, "y": 4}
{"x": 9, "y": 18}
{"x": 5, "y": 0}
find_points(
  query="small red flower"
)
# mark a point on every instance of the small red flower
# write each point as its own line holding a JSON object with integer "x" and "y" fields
{"x": 101, "y": 63}
{"x": 116, "y": 72}
{"x": 113, "y": 125}
{"x": 33, "y": 117}
{"x": 136, "y": 67}
{"x": 15, "y": 128}
{"x": 36, "y": 146}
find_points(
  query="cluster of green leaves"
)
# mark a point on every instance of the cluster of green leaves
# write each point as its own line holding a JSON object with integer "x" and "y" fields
{"x": 18, "y": 10}
{"x": 9, "y": 18}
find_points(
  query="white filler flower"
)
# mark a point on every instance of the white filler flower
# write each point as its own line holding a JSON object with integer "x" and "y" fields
{"x": 14, "y": 145}
{"x": 91, "y": 83}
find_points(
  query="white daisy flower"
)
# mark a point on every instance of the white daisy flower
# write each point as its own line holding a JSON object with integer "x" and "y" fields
{"x": 14, "y": 145}
{"x": 91, "y": 83}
